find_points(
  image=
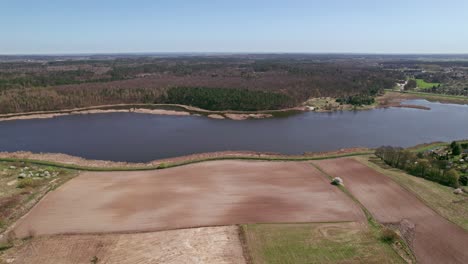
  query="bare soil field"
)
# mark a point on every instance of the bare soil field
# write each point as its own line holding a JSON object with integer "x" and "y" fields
{"x": 432, "y": 238}
{"x": 204, "y": 194}
{"x": 216, "y": 245}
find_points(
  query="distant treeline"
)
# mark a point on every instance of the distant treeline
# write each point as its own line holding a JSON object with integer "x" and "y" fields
{"x": 418, "y": 165}
{"x": 272, "y": 82}
{"x": 49, "y": 99}
{"x": 37, "y": 99}
{"x": 227, "y": 99}
{"x": 7, "y": 81}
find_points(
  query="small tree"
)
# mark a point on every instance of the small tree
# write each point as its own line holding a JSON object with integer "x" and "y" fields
{"x": 422, "y": 167}
{"x": 453, "y": 144}
{"x": 456, "y": 150}
{"x": 452, "y": 177}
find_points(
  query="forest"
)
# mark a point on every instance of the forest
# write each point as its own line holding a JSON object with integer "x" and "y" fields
{"x": 227, "y": 99}
{"x": 240, "y": 82}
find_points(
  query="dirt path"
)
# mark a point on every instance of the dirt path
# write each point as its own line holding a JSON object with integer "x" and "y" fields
{"x": 211, "y": 245}
{"x": 433, "y": 238}
{"x": 203, "y": 194}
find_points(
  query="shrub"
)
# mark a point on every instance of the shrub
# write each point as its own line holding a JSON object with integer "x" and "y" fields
{"x": 389, "y": 236}
{"x": 451, "y": 178}
{"x": 5, "y": 246}
{"x": 94, "y": 260}
{"x": 27, "y": 182}
{"x": 162, "y": 165}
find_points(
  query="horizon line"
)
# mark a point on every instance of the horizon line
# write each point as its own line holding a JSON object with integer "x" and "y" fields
{"x": 228, "y": 53}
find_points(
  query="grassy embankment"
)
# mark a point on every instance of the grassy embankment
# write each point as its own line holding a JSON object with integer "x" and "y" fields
{"x": 181, "y": 163}
{"x": 439, "y": 197}
{"x": 417, "y": 148}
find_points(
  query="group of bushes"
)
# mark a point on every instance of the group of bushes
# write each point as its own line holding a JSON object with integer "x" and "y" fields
{"x": 357, "y": 100}
{"x": 420, "y": 165}
{"x": 366, "y": 98}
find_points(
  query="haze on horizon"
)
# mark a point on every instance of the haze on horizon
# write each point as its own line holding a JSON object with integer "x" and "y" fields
{"x": 299, "y": 26}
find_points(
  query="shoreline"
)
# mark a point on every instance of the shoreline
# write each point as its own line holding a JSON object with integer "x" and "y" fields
{"x": 389, "y": 99}
{"x": 398, "y": 97}
{"x": 79, "y": 163}
{"x": 190, "y": 111}
{"x": 156, "y": 109}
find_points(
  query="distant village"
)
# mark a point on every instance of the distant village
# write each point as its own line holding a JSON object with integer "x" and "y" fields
{"x": 455, "y": 155}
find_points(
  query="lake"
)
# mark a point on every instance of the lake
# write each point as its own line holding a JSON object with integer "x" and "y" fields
{"x": 136, "y": 137}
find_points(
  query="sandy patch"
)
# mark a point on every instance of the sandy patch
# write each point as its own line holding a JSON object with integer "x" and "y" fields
{"x": 216, "y": 245}
{"x": 435, "y": 239}
{"x": 216, "y": 116}
{"x": 247, "y": 116}
{"x": 98, "y": 111}
{"x": 203, "y": 194}
{"x": 159, "y": 112}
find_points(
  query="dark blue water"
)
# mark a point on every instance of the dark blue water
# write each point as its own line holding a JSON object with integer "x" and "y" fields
{"x": 144, "y": 137}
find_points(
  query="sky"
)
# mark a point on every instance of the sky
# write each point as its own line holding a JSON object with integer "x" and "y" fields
{"x": 288, "y": 26}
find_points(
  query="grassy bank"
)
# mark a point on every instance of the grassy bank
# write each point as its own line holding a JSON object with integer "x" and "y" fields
{"x": 440, "y": 198}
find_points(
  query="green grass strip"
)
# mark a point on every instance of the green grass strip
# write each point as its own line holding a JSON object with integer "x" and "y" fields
{"x": 435, "y": 96}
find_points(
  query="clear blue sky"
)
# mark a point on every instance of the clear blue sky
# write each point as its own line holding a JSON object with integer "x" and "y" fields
{"x": 109, "y": 26}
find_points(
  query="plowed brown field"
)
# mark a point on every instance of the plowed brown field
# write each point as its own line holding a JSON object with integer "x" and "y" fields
{"x": 211, "y": 245}
{"x": 434, "y": 239}
{"x": 203, "y": 194}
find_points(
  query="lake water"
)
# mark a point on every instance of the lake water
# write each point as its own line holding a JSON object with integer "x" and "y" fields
{"x": 143, "y": 137}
